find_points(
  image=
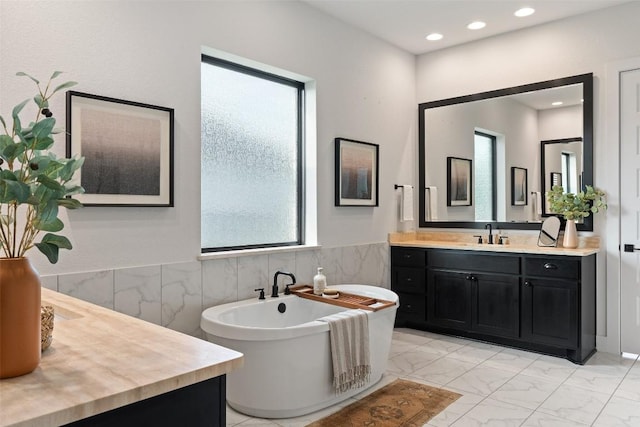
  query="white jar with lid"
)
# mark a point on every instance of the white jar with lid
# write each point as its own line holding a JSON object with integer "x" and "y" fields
{"x": 319, "y": 282}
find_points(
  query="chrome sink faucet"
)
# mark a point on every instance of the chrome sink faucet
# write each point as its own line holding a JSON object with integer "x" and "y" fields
{"x": 489, "y": 226}
{"x": 274, "y": 290}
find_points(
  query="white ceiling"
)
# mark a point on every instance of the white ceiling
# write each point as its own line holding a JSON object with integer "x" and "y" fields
{"x": 406, "y": 23}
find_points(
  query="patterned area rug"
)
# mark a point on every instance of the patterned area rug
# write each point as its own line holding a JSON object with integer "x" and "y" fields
{"x": 399, "y": 404}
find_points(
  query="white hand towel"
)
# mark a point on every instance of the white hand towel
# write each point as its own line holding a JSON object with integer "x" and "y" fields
{"x": 432, "y": 206}
{"x": 406, "y": 206}
{"x": 538, "y": 202}
{"x": 349, "y": 338}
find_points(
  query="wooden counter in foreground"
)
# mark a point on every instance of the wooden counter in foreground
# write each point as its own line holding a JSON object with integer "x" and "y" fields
{"x": 104, "y": 362}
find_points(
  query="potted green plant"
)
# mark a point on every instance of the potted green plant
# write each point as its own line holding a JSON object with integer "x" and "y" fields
{"x": 575, "y": 206}
{"x": 34, "y": 184}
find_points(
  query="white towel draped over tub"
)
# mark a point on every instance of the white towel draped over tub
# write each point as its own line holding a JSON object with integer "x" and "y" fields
{"x": 349, "y": 337}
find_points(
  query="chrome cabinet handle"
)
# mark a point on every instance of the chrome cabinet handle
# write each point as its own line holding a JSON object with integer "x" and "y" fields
{"x": 528, "y": 284}
{"x": 550, "y": 266}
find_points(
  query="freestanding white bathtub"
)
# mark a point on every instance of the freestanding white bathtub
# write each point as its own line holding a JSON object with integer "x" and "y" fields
{"x": 287, "y": 368}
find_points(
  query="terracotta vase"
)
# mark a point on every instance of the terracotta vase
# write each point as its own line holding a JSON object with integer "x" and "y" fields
{"x": 19, "y": 317}
{"x": 570, "y": 235}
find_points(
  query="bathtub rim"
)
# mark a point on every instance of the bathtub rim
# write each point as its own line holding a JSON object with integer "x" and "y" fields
{"x": 211, "y": 324}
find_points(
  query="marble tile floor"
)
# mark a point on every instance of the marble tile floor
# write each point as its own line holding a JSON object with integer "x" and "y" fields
{"x": 503, "y": 386}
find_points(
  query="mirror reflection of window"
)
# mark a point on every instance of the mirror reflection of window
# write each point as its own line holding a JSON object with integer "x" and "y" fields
{"x": 484, "y": 176}
{"x": 569, "y": 172}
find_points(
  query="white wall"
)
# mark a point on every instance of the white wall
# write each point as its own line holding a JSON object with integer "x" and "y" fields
{"x": 559, "y": 123}
{"x": 582, "y": 44}
{"x": 150, "y": 52}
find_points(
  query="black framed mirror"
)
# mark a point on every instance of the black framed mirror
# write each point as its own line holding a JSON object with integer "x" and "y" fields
{"x": 500, "y": 130}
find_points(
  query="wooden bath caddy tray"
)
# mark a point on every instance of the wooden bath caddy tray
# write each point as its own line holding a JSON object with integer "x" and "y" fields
{"x": 345, "y": 299}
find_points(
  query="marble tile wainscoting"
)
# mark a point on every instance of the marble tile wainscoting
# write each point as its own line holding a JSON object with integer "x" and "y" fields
{"x": 174, "y": 295}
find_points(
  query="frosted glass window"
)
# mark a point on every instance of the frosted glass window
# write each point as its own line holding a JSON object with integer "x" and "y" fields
{"x": 251, "y": 158}
{"x": 484, "y": 177}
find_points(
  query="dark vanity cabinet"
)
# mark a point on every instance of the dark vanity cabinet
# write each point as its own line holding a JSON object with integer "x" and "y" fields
{"x": 408, "y": 278}
{"x": 558, "y": 303}
{"x": 541, "y": 303}
{"x": 477, "y": 292}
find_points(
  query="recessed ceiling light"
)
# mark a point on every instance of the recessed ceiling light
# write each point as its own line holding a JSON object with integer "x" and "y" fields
{"x": 525, "y": 11}
{"x": 555, "y": 104}
{"x": 476, "y": 25}
{"x": 434, "y": 36}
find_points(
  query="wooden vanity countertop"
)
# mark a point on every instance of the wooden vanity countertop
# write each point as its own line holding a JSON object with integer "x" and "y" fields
{"x": 101, "y": 360}
{"x": 524, "y": 244}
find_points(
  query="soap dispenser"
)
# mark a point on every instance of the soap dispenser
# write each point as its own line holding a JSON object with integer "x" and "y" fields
{"x": 319, "y": 282}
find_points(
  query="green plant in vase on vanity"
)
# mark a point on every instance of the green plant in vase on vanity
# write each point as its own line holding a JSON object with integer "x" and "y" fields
{"x": 34, "y": 184}
{"x": 575, "y": 206}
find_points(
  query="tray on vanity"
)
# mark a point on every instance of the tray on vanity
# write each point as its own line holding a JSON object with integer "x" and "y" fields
{"x": 344, "y": 299}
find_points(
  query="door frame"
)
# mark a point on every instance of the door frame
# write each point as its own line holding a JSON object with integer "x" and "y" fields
{"x": 608, "y": 337}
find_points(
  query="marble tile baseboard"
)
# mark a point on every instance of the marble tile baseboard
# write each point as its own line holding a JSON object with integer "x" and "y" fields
{"x": 174, "y": 295}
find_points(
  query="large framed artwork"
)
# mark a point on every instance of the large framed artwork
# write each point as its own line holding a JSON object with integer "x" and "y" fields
{"x": 128, "y": 150}
{"x": 356, "y": 181}
{"x": 458, "y": 182}
{"x": 518, "y": 186}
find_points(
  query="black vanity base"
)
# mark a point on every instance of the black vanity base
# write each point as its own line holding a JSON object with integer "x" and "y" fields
{"x": 538, "y": 302}
{"x": 575, "y": 356}
{"x": 198, "y": 405}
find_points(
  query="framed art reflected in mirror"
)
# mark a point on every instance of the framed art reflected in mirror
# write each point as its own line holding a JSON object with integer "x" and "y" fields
{"x": 519, "y": 186}
{"x": 458, "y": 182}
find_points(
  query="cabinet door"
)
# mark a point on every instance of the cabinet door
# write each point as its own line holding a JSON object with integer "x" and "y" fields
{"x": 550, "y": 312}
{"x": 448, "y": 298}
{"x": 495, "y": 304}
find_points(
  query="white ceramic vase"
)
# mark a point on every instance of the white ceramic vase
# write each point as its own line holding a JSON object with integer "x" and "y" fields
{"x": 570, "y": 235}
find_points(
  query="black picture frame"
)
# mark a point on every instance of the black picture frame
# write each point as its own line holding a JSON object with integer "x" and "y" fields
{"x": 459, "y": 182}
{"x": 519, "y": 186}
{"x": 128, "y": 149}
{"x": 356, "y": 173}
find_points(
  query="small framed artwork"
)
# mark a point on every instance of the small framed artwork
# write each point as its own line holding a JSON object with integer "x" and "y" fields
{"x": 518, "y": 186}
{"x": 556, "y": 179}
{"x": 356, "y": 173}
{"x": 128, "y": 150}
{"x": 458, "y": 182}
